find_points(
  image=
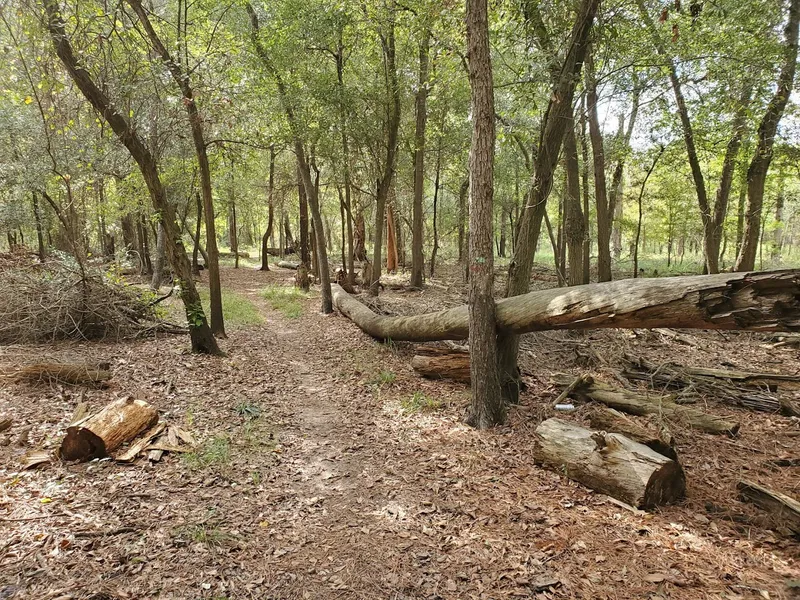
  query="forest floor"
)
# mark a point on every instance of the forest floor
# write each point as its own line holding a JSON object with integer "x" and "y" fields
{"x": 328, "y": 469}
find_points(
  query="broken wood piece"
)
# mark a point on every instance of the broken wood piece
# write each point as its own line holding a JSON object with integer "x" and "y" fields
{"x": 79, "y": 414}
{"x": 72, "y": 374}
{"x": 34, "y": 458}
{"x": 139, "y": 445}
{"x": 762, "y": 301}
{"x": 22, "y": 436}
{"x": 102, "y": 433}
{"x": 5, "y": 423}
{"x": 613, "y": 421}
{"x": 610, "y": 463}
{"x": 155, "y": 455}
{"x": 784, "y": 510}
{"x": 578, "y": 381}
{"x": 436, "y": 362}
{"x": 641, "y": 404}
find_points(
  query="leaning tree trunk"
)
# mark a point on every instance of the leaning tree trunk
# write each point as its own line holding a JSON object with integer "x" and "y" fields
{"x": 763, "y": 301}
{"x": 202, "y": 338}
{"x": 757, "y": 173}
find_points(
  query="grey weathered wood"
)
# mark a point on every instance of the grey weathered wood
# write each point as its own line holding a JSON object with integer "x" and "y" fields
{"x": 783, "y": 509}
{"x": 613, "y": 421}
{"x": 765, "y": 301}
{"x": 610, "y": 463}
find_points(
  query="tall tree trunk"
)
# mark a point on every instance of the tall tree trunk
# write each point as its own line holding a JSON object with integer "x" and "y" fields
{"x": 615, "y": 202}
{"x": 639, "y": 222}
{"x": 158, "y": 266}
{"x": 462, "y": 218}
{"x": 436, "y": 182}
{"x": 777, "y": 234}
{"x": 351, "y": 255}
{"x": 530, "y": 222}
{"x": 305, "y": 256}
{"x": 37, "y": 217}
{"x": 233, "y": 228}
{"x": 144, "y": 244}
{"x": 199, "y": 331}
{"x": 391, "y": 240}
{"x": 573, "y": 215}
{"x": 487, "y": 407}
{"x": 271, "y": 213}
{"x": 757, "y": 173}
{"x": 198, "y": 225}
{"x": 417, "y": 255}
{"x": 587, "y": 240}
{"x": 604, "y": 212}
{"x": 198, "y": 138}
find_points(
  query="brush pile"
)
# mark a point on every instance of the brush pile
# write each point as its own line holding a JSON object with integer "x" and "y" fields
{"x": 61, "y": 299}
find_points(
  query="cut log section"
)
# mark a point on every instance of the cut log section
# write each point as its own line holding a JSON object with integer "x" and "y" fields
{"x": 71, "y": 374}
{"x": 753, "y": 391}
{"x": 613, "y": 421}
{"x": 287, "y": 264}
{"x": 764, "y": 301}
{"x": 610, "y": 463}
{"x": 99, "y": 435}
{"x": 442, "y": 363}
{"x": 640, "y": 404}
{"x": 784, "y": 510}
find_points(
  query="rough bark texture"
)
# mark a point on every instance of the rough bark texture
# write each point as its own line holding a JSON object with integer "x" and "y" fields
{"x": 99, "y": 435}
{"x": 766, "y": 301}
{"x": 610, "y": 463}
{"x": 757, "y": 173}
{"x": 574, "y": 228}
{"x": 265, "y": 249}
{"x": 64, "y": 373}
{"x": 613, "y": 421}
{"x": 639, "y": 404}
{"x": 487, "y": 407}
{"x": 202, "y": 339}
{"x": 784, "y": 510}
{"x": 442, "y": 363}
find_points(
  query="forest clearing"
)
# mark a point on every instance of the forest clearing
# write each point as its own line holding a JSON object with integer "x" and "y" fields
{"x": 399, "y": 299}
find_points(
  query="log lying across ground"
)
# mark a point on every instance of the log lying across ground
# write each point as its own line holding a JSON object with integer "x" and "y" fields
{"x": 613, "y": 421}
{"x": 72, "y": 374}
{"x": 766, "y": 301}
{"x": 640, "y": 404}
{"x": 100, "y": 434}
{"x": 754, "y": 391}
{"x": 287, "y": 264}
{"x": 441, "y": 363}
{"x": 784, "y": 510}
{"x": 610, "y": 463}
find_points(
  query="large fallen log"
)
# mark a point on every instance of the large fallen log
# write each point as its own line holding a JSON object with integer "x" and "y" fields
{"x": 100, "y": 434}
{"x": 754, "y": 391}
{"x": 784, "y": 510}
{"x": 64, "y": 373}
{"x": 610, "y": 463}
{"x": 608, "y": 419}
{"x": 287, "y": 264}
{"x": 441, "y": 363}
{"x": 767, "y": 301}
{"x": 640, "y": 404}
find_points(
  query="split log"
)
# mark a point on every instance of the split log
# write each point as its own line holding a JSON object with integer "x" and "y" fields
{"x": 640, "y": 404}
{"x": 287, "y": 264}
{"x": 613, "y": 421}
{"x": 100, "y": 434}
{"x": 442, "y": 363}
{"x": 750, "y": 390}
{"x": 5, "y": 423}
{"x": 784, "y": 510}
{"x": 71, "y": 374}
{"x": 610, "y": 463}
{"x": 765, "y": 301}
{"x": 136, "y": 448}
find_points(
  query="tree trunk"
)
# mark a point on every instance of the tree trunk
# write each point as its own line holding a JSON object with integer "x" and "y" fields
{"x": 351, "y": 250}
{"x": 487, "y": 407}
{"x": 573, "y": 215}
{"x": 391, "y": 240}
{"x": 462, "y": 218}
{"x": 436, "y": 182}
{"x": 198, "y": 138}
{"x": 99, "y": 435}
{"x": 757, "y": 173}
{"x": 610, "y": 463}
{"x": 764, "y": 301}
{"x": 417, "y": 254}
{"x": 530, "y": 221}
{"x": 587, "y": 241}
{"x": 198, "y": 225}
{"x": 271, "y": 213}
{"x": 37, "y": 217}
{"x": 161, "y": 249}
{"x": 305, "y": 248}
{"x": 202, "y": 338}
{"x": 604, "y": 212}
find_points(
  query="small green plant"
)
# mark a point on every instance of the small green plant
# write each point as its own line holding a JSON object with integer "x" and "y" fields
{"x": 247, "y": 410}
{"x": 287, "y": 300}
{"x": 384, "y": 379}
{"x": 255, "y": 477}
{"x": 217, "y": 451}
{"x": 419, "y": 402}
{"x": 201, "y": 534}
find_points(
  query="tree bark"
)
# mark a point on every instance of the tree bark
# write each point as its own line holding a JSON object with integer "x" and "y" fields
{"x": 764, "y": 301}
{"x": 417, "y": 254}
{"x": 442, "y": 363}
{"x": 610, "y": 463}
{"x": 784, "y": 510}
{"x": 101, "y": 434}
{"x": 608, "y": 419}
{"x": 759, "y": 166}
{"x": 271, "y": 214}
{"x": 202, "y": 339}
{"x": 158, "y": 266}
{"x": 391, "y": 240}
{"x": 487, "y": 407}
{"x": 37, "y": 217}
{"x": 198, "y": 138}
{"x": 573, "y": 215}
